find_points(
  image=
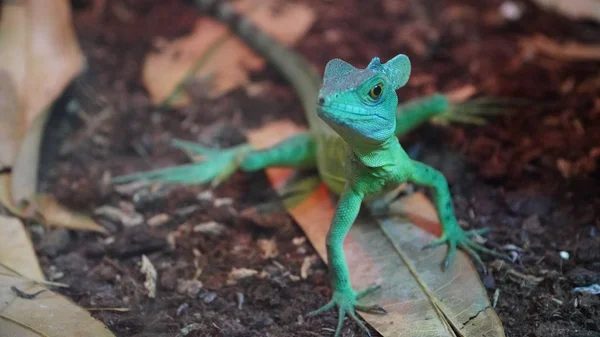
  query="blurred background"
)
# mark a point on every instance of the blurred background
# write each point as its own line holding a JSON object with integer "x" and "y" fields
{"x": 115, "y": 80}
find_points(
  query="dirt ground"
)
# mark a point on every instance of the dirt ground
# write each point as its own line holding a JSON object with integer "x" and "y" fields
{"x": 532, "y": 177}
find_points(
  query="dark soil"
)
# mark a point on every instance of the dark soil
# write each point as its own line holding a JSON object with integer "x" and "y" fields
{"x": 532, "y": 177}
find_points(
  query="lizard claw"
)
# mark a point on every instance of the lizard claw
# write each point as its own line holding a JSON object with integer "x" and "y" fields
{"x": 346, "y": 303}
{"x": 460, "y": 239}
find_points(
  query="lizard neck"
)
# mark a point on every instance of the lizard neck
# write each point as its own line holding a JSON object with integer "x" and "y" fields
{"x": 377, "y": 155}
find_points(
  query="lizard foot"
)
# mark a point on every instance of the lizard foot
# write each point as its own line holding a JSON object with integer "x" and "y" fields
{"x": 474, "y": 111}
{"x": 463, "y": 239}
{"x": 346, "y": 301}
{"x": 216, "y": 166}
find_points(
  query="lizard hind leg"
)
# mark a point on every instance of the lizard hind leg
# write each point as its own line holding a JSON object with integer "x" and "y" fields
{"x": 216, "y": 165}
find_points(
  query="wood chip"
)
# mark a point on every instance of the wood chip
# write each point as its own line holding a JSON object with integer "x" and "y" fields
{"x": 211, "y": 227}
{"x": 237, "y": 274}
{"x": 158, "y": 220}
{"x": 150, "y": 272}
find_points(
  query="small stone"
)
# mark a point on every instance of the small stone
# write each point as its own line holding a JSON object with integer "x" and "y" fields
{"x": 297, "y": 241}
{"x": 209, "y": 297}
{"x": 211, "y": 227}
{"x": 240, "y": 273}
{"x": 158, "y": 220}
{"x": 128, "y": 218}
{"x": 268, "y": 248}
{"x": 183, "y": 309}
{"x": 206, "y": 195}
{"x": 189, "y": 287}
{"x": 223, "y": 202}
{"x": 131, "y": 188}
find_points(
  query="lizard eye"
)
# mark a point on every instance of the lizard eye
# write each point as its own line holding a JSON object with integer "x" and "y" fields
{"x": 376, "y": 91}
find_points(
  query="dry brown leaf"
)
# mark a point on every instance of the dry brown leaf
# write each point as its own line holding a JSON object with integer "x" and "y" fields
{"x": 45, "y": 209}
{"x": 53, "y": 214}
{"x": 16, "y": 250}
{"x": 38, "y": 59}
{"x": 420, "y": 298}
{"x": 574, "y": 9}
{"x": 9, "y": 111}
{"x": 41, "y": 56}
{"x": 45, "y": 315}
{"x": 228, "y": 66}
{"x": 570, "y": 51}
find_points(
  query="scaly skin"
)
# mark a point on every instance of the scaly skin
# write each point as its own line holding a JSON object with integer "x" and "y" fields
{"x": 354, "y": 121}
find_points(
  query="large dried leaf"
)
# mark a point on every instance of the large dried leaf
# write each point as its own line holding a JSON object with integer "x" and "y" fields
{"x": 9, "y": 110}
{"x": 421, "y": 299}
{"x": 574, "y": 9}
{"x": 47, "y": 314}
{"x": 225, "y": 59}
{"x": 40, "y": 55}
{"x": 45, "y": 209}
{"x": 53, "y": 214}
{"x": 16, "y": 250}
{"x": 569, "y": 51}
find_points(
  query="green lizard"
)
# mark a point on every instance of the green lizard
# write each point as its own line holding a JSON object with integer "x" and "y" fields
{"x": 355, "y": 122}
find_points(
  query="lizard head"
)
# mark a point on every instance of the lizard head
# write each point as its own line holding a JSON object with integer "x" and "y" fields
{"x": 360, "y": 104}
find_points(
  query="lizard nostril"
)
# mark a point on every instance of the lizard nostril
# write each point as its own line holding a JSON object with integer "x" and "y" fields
{"x": 321, "y": 100}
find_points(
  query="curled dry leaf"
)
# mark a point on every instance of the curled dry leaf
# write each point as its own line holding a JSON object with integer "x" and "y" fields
{"x": 225, "y": 59}
{"x": 420, "y": 298}
{"x": 28, "y": 309}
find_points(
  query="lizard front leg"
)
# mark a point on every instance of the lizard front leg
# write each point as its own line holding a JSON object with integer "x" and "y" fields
{"x": 344, "y": 296}
{"x": 453, "y": 234}
{"x": 411, "y": 114}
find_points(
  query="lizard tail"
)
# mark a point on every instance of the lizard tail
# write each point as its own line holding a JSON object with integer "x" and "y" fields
{"x": 295, "y": 68}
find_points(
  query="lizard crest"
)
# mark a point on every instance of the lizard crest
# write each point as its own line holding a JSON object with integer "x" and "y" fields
{"x": 360, "y": 104}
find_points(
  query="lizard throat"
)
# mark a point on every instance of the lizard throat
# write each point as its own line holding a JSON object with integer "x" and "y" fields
{"x": 377, "y": 155}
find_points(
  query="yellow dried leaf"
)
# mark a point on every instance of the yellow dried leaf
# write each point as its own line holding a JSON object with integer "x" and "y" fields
{"x": 228, "y": 66}
{"x": 53, "y": 214}
{"x": 47, "y": 314}
{"x": 39, "y": 57}
{"x": 45, "y": 209}
{"x": 16, "y": 250}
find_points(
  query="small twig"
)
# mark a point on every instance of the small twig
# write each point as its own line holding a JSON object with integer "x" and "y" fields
{"x": 25, "y": 295}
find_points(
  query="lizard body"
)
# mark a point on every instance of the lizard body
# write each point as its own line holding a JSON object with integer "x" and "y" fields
{"x": 354, "y": 121}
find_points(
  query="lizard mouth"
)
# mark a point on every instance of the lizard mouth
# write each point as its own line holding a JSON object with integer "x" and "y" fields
{"x": 345, "y": 112}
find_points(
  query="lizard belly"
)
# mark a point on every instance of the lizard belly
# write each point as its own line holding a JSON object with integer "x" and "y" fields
{"x": 332, "y": 161}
